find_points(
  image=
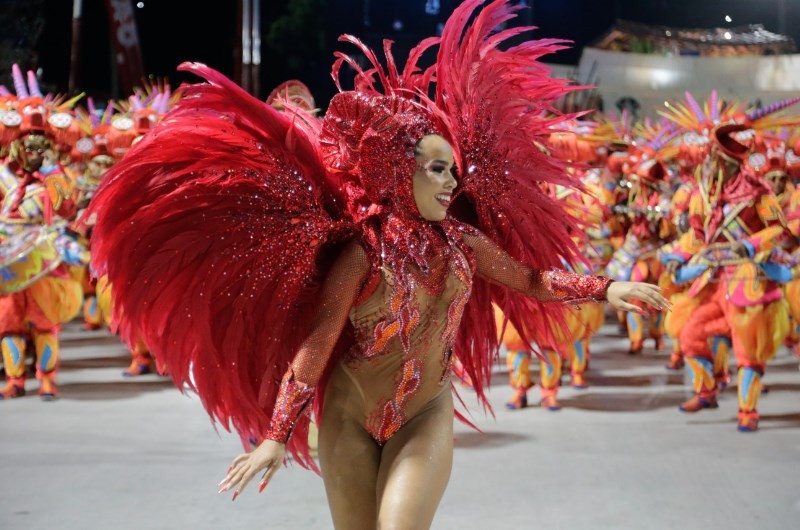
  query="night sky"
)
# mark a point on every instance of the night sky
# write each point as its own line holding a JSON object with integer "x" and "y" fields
{"x": 172, "y": 31}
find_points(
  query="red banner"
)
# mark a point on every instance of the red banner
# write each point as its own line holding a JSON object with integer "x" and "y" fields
{"x": 125, "y": 37}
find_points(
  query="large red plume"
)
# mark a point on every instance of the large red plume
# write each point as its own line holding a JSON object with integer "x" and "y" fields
{"x": 495, "y": 106}
{"x": 218, "y": 217}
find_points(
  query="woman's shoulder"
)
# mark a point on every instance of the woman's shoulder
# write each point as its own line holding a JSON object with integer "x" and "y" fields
{"x": 354, "y": 254}
{"x": 465, "y": 232}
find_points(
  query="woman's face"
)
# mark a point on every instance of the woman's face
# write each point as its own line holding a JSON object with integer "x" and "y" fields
{"x": 433, "y": 181}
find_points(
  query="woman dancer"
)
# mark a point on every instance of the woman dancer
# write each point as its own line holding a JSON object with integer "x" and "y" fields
{"x": 290, "y": 260}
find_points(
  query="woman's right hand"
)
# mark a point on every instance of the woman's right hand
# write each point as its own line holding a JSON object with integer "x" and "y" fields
{"x": 266, "y": 457}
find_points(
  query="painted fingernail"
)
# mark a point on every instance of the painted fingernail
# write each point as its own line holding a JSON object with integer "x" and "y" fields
{"x": 223, "y": 481}
{"x": 262, "y": 486}
{"x": 235, "y": 494}
{"x": 223, "y": 490}
{"x": 229, "y": 469}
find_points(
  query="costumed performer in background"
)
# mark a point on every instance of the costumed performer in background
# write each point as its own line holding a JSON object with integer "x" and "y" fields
{"x": 736, "y": 222}
{"x": 38, "y": 295}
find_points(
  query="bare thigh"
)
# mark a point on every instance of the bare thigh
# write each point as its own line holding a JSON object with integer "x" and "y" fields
{"x": 349, "y": 460}
{"x": 415, "y": 468}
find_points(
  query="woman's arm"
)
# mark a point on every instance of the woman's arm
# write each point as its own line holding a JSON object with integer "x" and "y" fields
{"x": 498, "y": 266}
{"x": 337, "y": 296}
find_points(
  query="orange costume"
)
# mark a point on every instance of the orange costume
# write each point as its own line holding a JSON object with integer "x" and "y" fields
{"x": 569, "y": 342}
{"x": 36, "y": 192}
{"x": 791, "y": 205}
{"x": 735, "y": 222}
{"x": 107, "y": 137}
{"x": 695, "y": 122}
{"x": 646, "y": 209}
{"x": 679, "y": 214}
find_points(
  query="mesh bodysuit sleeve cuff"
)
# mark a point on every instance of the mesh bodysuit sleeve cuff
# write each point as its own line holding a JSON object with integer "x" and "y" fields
{"x": 292, "y": 402}
{"x": 575, "y": 288}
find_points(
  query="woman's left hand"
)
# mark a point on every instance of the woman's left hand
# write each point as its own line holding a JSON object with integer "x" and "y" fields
{"x": 619, "y": 295}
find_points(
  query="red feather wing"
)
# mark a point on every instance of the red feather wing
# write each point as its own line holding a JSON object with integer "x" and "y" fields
{"x": 214, "y": 236}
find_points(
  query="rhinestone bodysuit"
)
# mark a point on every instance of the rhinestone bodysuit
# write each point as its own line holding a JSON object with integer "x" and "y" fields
{"x": 405, "y": 326}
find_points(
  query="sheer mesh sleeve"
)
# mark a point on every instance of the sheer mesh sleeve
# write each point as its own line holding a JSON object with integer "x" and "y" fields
{"x": 337, "y": 296}
{"x": 495, "y": 265}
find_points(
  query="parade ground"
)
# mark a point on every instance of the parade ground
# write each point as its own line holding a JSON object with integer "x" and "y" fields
{"x": 135, "y": 454}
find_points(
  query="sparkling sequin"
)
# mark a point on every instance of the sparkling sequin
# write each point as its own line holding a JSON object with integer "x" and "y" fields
{"x": 390, "y": 415}
{"x": 576, "y": 288}
{"x": 414, "y": 321}
{"x": 293, "y": 398}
